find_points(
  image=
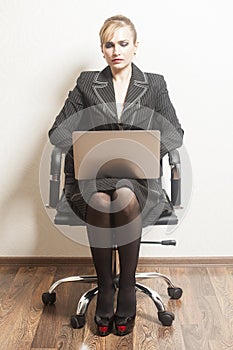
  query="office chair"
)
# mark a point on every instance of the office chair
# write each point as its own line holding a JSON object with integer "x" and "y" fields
{"x": 65, "y": 216}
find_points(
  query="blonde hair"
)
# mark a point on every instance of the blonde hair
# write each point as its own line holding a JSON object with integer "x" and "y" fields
{"x": 113, "y": 23}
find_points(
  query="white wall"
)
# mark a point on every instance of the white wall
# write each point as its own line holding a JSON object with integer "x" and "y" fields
{"x": 44, "y": 46}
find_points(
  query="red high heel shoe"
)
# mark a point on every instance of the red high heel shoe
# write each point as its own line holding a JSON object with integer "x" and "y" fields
{"x": 104, "y": 325}
{"x": 124, "y": 325}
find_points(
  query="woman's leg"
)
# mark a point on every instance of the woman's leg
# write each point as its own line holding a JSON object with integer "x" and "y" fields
{"x": 128, "y": 227}
{"x": 99, "y": 235}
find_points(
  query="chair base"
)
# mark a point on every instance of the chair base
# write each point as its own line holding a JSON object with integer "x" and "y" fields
{"x": 78, "y": 320}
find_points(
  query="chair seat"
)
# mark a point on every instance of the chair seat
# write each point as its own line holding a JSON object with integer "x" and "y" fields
{"x": 68, "y": 219}
{"x": 73, "y": 220}
{"x": 65, "y": 215}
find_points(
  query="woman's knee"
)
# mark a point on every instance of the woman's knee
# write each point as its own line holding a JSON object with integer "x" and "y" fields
{"x": 100, "y": 201}
{"x": 125, "y": 201}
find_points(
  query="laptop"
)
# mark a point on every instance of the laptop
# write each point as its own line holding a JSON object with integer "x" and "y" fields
{"x": 116, "y": 153}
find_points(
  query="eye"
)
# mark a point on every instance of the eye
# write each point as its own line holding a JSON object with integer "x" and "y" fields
{"x": 124, "y": 43}
{"x": 108, "y": 45}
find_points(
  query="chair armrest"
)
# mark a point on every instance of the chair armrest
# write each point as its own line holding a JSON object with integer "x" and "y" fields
{"x": 55, "y": 174}
{"x": 174, "y": 161}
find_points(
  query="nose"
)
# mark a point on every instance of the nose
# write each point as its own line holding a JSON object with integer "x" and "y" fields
{"x": 117, "y": 50}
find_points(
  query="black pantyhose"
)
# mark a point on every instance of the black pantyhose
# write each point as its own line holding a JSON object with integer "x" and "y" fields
{"x": 128, "y": 226}
{"x": 124, "y": 224}
{"x": 100, "y": 239}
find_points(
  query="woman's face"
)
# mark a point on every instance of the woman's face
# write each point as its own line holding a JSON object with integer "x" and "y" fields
{"x": 119, "y": 50}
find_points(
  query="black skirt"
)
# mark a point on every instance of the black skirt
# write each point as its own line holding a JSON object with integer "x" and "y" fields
{"x": 149, "y": 193}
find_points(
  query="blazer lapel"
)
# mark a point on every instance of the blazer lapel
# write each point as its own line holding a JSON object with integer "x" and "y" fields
{"x": 104, "y": 90}
{"x": 138, "y": 86}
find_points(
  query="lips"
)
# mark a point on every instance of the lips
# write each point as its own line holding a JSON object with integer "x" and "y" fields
{"x": 117, "y": 60}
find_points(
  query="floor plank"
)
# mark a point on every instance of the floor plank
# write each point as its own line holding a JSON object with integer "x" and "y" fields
{"x": 21, "y": 307}
{"x": 222, "y": 281}
{"x": 203, "y": 316}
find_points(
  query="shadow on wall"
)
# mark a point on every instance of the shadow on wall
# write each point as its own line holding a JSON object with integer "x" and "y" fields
{"x": 26, "y": 229}
{"x": 25, "y": 226}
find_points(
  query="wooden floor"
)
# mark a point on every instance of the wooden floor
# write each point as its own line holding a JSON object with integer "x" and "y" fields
{"x": 204, "y": 314}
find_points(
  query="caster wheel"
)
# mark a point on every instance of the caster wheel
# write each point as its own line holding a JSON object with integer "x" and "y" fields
{"x": 166, "y": 318}
{"x": 174, "y": 293}
{"x": 48, "y": 298}
{"x": 77, "y": 321}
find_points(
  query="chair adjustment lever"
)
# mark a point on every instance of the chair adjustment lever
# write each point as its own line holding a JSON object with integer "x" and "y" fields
{"x": 166, "y": 242}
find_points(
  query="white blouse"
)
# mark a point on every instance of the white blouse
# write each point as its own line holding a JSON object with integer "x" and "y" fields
{"x": 119, "y": 107}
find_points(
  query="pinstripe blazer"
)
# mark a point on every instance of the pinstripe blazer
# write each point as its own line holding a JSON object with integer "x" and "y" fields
{"x": 91, "y": 106}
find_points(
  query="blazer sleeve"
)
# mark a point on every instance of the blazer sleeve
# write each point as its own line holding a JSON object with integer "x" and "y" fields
{"x": 66, "y": 121}
{"x": 171, "y": 130}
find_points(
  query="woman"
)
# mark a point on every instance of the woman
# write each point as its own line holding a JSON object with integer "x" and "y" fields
{"x": 123, "y": 97}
